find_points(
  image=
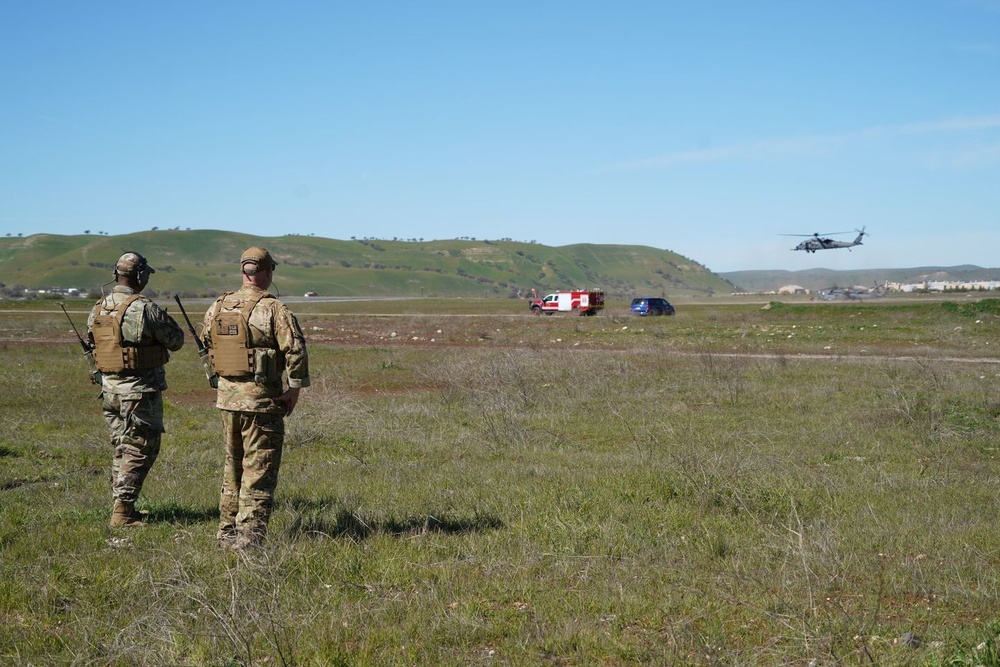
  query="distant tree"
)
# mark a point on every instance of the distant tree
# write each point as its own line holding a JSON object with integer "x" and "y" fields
{"x": 86, "y": 231}
{"x": 155, "y": 228}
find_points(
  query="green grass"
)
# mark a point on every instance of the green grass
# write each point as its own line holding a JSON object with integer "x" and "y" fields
{"x": 713, "y": 488}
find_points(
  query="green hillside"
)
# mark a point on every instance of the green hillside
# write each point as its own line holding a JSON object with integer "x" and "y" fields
{"x": 204, "y": 262}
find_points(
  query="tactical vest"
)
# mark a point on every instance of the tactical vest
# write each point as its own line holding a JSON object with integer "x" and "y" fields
{"x": 112, "y": 354}
{"x": 232, "y": 352}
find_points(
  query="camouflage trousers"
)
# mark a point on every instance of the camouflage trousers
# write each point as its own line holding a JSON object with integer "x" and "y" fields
{"x": 254, "y": 442}
{"x": 135, "y": 422}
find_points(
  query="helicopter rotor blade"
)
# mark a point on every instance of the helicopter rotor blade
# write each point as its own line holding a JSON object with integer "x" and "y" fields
{"x": 819, "y": 234}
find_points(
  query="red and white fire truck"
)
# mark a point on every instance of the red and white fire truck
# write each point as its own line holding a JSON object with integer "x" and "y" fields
{"x": 586, "y": 302}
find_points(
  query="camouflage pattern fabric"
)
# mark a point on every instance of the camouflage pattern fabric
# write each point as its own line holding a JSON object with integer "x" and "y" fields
{"x": 145, "y": 323}
{"x": 135, "y": 422}
{"x": 254, "y": 442}
{"x": 132, "y": 402}
{"x": 272, "y": 326}
{"x": 253, "y": 421}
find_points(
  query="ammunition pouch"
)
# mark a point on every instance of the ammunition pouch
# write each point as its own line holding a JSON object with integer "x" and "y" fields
{"x": 266, "y": 365}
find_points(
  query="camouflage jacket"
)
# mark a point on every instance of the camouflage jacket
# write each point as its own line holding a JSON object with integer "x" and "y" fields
{"x": 144, "y": 323}
{"x": 272, "y": 326}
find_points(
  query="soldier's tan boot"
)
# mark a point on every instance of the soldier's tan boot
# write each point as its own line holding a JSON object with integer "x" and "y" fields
{"x": 125, "y": 516}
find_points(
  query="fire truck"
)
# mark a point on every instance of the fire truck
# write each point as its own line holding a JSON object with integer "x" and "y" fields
{"x": 586, "y": 302}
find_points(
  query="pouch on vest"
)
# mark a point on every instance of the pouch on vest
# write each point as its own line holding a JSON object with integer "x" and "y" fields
{"x": 265, "y": 365}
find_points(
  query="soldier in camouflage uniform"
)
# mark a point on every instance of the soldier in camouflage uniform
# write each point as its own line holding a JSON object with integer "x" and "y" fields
{"x": 132, "y": 338}
{"x": 254, "y": 343}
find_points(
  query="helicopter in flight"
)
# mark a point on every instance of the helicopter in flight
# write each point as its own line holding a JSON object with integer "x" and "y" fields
{"x": 818, "y": 241}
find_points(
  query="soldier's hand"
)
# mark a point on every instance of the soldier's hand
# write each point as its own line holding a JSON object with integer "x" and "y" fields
{"x": 289, "y": 399}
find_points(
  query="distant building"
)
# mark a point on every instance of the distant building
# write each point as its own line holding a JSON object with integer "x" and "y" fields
{"x": 945, "y": 286}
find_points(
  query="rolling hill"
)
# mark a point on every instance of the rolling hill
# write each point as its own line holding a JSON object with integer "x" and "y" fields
{"x": 204, "y": 263}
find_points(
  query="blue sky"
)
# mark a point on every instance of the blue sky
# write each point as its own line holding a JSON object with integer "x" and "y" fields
{"x": 705, "y": 127}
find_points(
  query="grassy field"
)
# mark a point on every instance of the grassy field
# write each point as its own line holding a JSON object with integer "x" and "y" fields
{"x": 466, "y": 484}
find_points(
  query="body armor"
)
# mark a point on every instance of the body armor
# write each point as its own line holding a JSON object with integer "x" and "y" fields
{"x": 232, "y": 352}
{"x": 112, "y": 354}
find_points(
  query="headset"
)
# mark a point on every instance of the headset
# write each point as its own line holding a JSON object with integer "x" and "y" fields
{"x": 140, "y": 271}
{"x": 251, "y": 267}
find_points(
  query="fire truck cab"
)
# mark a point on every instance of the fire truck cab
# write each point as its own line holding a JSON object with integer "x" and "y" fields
{"x": 586, "y": 302}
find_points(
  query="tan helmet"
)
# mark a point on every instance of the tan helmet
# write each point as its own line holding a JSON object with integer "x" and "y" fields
{"x": 132, "y": 264}
{"x": 259, "y": 257}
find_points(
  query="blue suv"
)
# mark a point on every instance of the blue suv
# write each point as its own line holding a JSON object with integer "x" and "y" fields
{"x": 651, "y": 305}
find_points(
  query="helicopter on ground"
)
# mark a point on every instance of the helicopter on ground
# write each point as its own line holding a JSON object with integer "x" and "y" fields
{"x": 853, "y": 293}
{"x": 818, "y": 242}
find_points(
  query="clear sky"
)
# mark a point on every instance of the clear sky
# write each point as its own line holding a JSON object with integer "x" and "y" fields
{"x": 703, "y": 127}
